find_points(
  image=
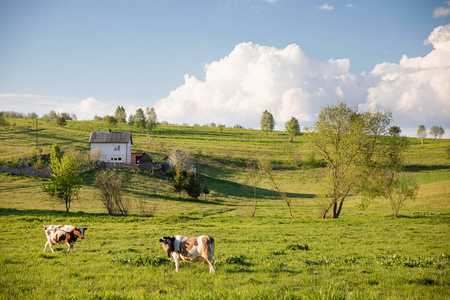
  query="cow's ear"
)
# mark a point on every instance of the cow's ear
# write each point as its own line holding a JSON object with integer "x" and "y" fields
{"x": 161, "y": 240}
{"x": 85, "y": 228}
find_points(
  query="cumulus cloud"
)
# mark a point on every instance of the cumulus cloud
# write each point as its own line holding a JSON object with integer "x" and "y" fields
{"x": 417, "y": 90}
{"x": 326, "y": 6}
{"x": 254, "y": 78}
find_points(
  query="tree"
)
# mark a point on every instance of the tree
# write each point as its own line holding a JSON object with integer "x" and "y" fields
{"x": 351, "y": 144}
{"x": 32, "y": 115}
{"x": 192, "y": 186}
{"x": 61, "y": 121}
{"x": 254, "y": 176}
{"x": 120, "y": 114}
{"x": 434, "y": 131}
{"x": 437, "y": 131}
{"x": 110, "y": 121}
{"x": 422, "y": 133}
{"x": 292, "y": 128}
{"x": 179, "y": 158}
{"x": 139, "y": 119}
{"x": 152, "y": 120}
{"x": 441, "y": 131}
{"x": 266, "y": 167}
{"x": 131, "y": 119}
{"x": 395, "y": 131}
{"x": 399, "y": 190}
{"x": 267, "y": 121}
{"x": 178, "y": 185}
{"x": 65, "y": 181}
{"x": 110, "y": 185}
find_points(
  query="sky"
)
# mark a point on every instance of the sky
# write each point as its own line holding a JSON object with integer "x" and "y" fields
{"x": 198, "y": 62}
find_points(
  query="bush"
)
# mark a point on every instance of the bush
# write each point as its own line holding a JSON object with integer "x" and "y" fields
{"x": 110, "y": 186}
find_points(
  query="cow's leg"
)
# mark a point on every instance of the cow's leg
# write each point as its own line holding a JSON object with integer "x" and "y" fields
{"x": 49, "y": 244}
{"x": 211, "y": 266}
{"x": 176, "y": 259}
{"x": 211, "y": 263}
{"x": 70, "y": 247}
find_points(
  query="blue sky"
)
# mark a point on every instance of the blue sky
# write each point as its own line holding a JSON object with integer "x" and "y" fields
{"x": 57, "y": 54}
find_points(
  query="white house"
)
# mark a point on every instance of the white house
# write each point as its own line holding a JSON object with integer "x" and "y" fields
{"x": 114, "y": 146}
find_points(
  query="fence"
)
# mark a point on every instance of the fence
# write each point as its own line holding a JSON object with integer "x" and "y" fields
{"x": 31, "y": 171}
{"x": 27, "y": 171}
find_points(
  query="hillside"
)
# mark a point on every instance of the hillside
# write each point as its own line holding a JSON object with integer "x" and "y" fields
{"x": 220, "y": 155}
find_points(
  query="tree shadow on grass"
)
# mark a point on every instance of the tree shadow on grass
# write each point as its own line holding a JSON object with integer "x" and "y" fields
{"x": 419, "y": 168}
{"x": 225, "y": 188}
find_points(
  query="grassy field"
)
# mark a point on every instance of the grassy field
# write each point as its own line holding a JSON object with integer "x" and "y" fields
{"x": 361, "y": 255}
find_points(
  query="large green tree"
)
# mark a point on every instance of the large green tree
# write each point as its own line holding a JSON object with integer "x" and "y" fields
{"x": 267, "y": 121}
{"x": 355, "y": 148}
{"x": 65, "y": 181}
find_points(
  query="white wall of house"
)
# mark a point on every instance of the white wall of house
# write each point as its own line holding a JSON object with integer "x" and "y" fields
{"x": 118, "y": 153}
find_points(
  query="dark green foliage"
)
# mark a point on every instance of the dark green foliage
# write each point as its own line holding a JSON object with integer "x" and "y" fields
{"x": 295, "y": 247}
{"x": 235, "y": 260}
{"x": 178, "y": 185}
{"x": 395, "y": 130}
{"x": 143, "y": 260}
{"x": 61, "y": 121}
{"x": 192, "y": 186}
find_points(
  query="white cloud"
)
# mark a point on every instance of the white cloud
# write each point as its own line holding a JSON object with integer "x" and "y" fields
{"x": 417, "y": 90}
{"x": 441, "y": 12}
{"x": 326, "y": 6}
{"x": 349, "y": 5}
{"x": 253, "y": 78}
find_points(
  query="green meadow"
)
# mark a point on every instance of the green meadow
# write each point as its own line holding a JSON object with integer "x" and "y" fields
{"x": 365, "y": 254}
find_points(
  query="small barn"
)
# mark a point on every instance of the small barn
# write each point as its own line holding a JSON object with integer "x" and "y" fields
{"x": 144, "y": 160}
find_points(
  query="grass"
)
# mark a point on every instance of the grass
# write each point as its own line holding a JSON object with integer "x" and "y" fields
{"x": 361, "y": 255}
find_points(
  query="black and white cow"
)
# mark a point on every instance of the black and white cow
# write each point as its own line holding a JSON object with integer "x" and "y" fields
{"x": 189, "y": 249}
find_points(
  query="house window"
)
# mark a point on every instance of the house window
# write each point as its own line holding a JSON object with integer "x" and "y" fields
{"x": 112, "y": 158}
{"x": 117, "y": 148}
{"x": 120, "y": 158}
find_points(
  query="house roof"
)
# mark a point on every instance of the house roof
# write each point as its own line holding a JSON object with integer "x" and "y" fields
{"x": 110, "y": 137}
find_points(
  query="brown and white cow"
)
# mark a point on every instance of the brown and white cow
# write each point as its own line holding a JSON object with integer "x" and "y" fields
{"x": 190, "y": 249}
{"x": 58, "y": 234}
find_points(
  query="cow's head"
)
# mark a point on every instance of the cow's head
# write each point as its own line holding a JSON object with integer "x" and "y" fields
{"x": 79, "y": 232}
{"x": 168, "y": 244}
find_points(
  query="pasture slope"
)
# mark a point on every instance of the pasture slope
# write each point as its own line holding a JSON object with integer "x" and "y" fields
{"x": 361, "y": 255}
